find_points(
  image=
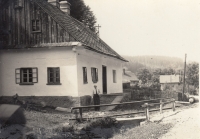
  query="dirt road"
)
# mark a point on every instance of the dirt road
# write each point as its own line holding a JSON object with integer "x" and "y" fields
{"x": 186, "y": 124}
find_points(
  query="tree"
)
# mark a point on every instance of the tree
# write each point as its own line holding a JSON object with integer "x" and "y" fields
{"x": 192, "y": 74}
{"x": 168, "y": 71}
{"x": 156, "y": 75}
{"x": 83, "y": 13}
{"x": 144, "y": 75}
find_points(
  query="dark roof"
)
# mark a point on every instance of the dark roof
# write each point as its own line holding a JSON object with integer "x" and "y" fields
{"x": 77, "y": 30}
{"x": 129, "y": 76}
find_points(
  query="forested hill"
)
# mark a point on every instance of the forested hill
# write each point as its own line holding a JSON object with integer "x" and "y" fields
{"x": 152, "y": 62}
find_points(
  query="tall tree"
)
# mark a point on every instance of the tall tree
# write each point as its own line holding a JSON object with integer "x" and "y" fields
{"x": 156, "y": 75}
{"x": 83, "y": 13}
{"x": 144, "y": 75}
{"x": 192, "y": 74}
{"x": 168, "y": 71}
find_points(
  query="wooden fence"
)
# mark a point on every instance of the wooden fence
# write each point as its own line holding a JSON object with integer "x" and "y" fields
{"x": 145, "y": 94}
{"x": 145, "y": 105}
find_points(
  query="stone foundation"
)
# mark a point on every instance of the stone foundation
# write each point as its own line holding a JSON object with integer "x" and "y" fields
{"x": 51, "y": 101}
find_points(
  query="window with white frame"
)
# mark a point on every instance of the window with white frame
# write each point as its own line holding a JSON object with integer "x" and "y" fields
{"x": 94, "y": 72}
{"x": 26, "y": 76}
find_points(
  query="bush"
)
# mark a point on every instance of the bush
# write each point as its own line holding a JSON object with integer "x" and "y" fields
{"x": 106, "y": 122}
{"x": 126, "y": 85}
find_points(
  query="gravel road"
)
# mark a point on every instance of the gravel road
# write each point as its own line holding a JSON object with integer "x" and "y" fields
{"x": 186, "y": 124}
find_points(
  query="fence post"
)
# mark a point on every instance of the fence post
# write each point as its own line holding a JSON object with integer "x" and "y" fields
{"x": 161, "y": 106}
{"x": 147, "y": 111}
{"x": 81, "y": 114}
{"x": 174, "y": 105}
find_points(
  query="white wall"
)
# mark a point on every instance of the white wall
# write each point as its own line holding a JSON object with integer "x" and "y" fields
{"x": 41, "y": 58}
{"x": 87, "y": 58}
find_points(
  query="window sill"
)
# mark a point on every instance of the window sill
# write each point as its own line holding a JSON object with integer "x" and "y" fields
{"x": 53, "y": 84}
{"x": 26, "y": 84}
{"x": 85, "y": 83}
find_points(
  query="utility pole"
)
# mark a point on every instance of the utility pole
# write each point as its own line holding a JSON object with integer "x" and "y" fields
{"x": 184, "y": 77}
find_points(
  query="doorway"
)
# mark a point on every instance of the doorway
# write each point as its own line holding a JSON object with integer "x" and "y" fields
{"x": 104, "y": 79}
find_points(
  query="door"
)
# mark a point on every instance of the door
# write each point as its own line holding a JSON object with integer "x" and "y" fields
{"x": 104, "y": 79}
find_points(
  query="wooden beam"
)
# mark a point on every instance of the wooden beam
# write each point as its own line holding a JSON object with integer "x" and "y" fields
{"x": 133, "y": 102}
{"x": 173, "y": 105}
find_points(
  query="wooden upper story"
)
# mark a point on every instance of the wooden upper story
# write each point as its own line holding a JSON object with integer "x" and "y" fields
{"x": 25, "y": 23}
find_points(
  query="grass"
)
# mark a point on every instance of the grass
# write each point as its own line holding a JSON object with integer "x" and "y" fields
{"x": 55, "y": 123}
{"x": 148, "y": 131}
{"x": 106, "y": 122}
{"x": 45, "y": 120}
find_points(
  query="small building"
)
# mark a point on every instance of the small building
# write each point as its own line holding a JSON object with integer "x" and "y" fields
{"x": 46, "y": 52}
{"x": 171, "y": 82}
{"x": 129, "y": 78}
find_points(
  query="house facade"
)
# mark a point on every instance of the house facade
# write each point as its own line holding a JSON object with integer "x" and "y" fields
{"x": 129, "y": 78}
{"x": 171, "y": 82}
{"x": 46, "y": 52}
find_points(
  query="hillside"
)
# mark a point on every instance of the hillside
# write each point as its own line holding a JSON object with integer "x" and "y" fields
{"x": 152, "y": 62}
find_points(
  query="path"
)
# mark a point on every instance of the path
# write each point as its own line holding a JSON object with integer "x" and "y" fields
{"x": 187, "y": 124}
{"x": 116, "y": 100}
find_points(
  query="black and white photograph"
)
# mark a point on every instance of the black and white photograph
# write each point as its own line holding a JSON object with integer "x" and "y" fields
{"x": 99, "y": 69}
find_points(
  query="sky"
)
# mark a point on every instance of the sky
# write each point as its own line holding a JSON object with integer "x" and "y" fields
{"x": 150, "y": 27}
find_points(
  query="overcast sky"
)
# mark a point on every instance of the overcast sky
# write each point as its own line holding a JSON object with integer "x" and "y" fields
{"x": 150, "y": 27}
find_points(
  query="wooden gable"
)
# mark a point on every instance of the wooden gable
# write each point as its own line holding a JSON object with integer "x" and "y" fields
{"x": 25, "y": 23}
{"x": 33, "y": 22}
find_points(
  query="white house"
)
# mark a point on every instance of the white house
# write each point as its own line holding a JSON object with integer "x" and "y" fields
{"x": 170, "y": 81}
{"x": 46, "y": 52}
{"x": 129, "y": 77}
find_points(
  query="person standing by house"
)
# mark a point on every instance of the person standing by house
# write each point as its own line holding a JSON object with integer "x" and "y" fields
{"x": 96, "y": 98}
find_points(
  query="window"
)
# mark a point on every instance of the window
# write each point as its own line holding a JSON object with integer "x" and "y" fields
{"x": 114, "y": 76}
{"x": 26, "y": 76}
{"x": 18, "y": 4}
{"x": 94, "y": 72}
{"x": 53, "y": 76}
{"x": 36, "y": 25}
{"x": 85, "y": 75}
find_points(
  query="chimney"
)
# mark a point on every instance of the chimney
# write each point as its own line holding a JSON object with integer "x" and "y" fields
{"x": 65, "y": 7}
{"x": 54, "y": 3}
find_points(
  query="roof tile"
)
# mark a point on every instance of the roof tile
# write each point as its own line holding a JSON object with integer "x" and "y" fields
{"x": 83, "y": 34}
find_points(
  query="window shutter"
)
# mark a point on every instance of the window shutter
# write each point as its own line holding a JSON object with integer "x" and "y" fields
{"x": 17, "y": 76}
{"x": 96, "y": 75}
{"x": 92, "y": 73}
{"x": 35, "y": 75}
{"x": 86, "y": 75}
{"x": 20, "y": 3}
{"x": 83, "y": 76}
